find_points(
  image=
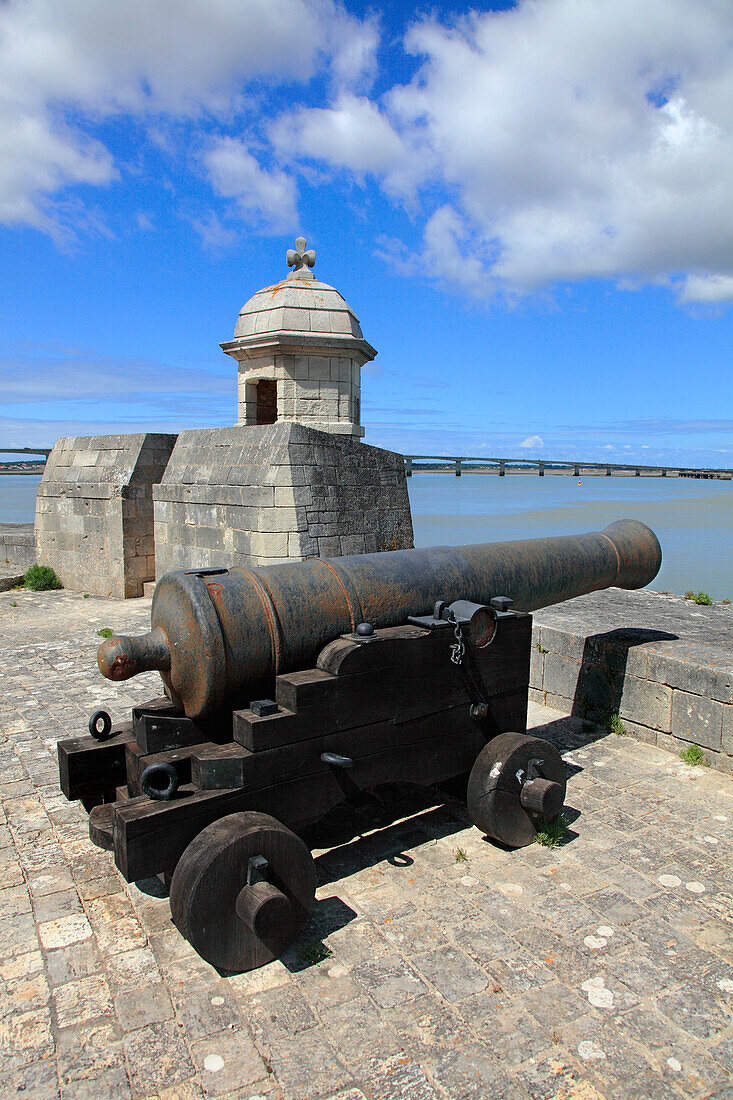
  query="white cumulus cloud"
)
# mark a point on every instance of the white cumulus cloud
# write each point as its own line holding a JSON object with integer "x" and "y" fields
{"x": 556, "y": 141}
{"x": 67, "y": 64}
{"x": 532, "y": 443}
{"x": 583, "y": 140}
{"x": 269, "y": 195}
{"x": 707, "y": 288}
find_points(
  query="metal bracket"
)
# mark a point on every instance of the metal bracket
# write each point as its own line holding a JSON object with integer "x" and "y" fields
{"x": 337, "y": 761}
{"x": 436, "y": 621}
{"x": 256, "y": 867}
{"x": 534, "y": 770}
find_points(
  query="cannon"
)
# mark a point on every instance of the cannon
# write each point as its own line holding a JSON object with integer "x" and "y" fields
{"x": 291, "y": 688}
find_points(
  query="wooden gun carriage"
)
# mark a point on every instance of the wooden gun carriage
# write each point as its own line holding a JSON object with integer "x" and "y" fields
{"x": 293, "y": 688}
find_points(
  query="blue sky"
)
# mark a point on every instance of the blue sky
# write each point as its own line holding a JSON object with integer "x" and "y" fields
{"x": 528, "y": 206}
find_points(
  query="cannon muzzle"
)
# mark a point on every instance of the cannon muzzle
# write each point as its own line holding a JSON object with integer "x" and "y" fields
{"x": 220, "y": 637}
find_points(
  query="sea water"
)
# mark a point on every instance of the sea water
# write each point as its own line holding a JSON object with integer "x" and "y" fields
{"x": 692, "y": 518}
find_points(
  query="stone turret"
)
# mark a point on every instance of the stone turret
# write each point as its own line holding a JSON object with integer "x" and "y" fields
{"x": 300, "y": 351}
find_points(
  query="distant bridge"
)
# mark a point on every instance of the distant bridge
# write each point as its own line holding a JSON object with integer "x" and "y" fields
{"x": 45, "y": 451}
{"x": 461, "y": 464}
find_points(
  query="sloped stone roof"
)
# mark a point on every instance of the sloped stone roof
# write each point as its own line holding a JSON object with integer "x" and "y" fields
{"x": 298, "y": 307}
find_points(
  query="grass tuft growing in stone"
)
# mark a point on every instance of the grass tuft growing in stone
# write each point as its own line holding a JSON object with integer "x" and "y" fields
{"x": 312, "y": 953}
{"x": 41, "y": 578}
{"x": 700, "y": 597}
{"x": 694, "y": 756}
{"x": 105, "y": 632}
{"x": 614, "y": 724}
{"x": 461, "y": 856}
{"x": 553, "y": 832}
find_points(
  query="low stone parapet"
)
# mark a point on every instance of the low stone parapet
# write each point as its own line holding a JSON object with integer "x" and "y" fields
{"x": 663, "y": 664}
{"x": 17, "y": 545}
{"x": 94, "y": 511}
{"x": 259, "y": 495}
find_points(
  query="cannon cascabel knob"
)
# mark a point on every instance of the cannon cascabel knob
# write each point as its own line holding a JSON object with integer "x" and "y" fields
{"x": 121, "y": 657}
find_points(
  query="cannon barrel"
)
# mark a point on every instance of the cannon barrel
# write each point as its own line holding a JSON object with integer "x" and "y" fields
{"x": 220, "y": 636}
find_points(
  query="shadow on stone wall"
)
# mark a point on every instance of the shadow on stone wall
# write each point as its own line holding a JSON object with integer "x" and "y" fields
{"x": 603, "y": 670}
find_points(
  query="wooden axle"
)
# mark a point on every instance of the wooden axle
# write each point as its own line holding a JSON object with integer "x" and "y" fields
{"x": 262, "y": 907}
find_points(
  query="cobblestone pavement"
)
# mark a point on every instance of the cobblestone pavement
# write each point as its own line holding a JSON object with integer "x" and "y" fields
{"x": 436, "y": 964}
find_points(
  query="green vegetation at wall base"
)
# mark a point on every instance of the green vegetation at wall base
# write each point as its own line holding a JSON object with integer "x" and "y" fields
{"x": 41, "y": 578}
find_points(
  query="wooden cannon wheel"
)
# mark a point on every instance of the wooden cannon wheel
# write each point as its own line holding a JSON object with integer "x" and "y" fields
{"x": 237, "y": 911}
{"x": 516, "y": 783}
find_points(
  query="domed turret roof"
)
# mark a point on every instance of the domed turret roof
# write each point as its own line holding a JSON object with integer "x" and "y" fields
{"x": 300, "y": 304}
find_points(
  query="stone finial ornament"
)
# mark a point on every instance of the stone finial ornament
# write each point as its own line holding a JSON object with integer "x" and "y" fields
{"x": 300, "y": 261}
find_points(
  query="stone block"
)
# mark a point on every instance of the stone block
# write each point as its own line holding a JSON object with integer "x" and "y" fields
{"x": 270, "y": 544}
{"x": 329, "y": 546}
{"x": 341, "y": 370}
{"x": 727, "y": 730}
{"x": 308, "y": 390}
{"x": 697, "y": 719}
{"x": 293, "y": 496}
{"x": 301, "y": 546}
{"x": 558, "y": 702}
{"x": 210, "y": 538}
{"x": 560, "y": 675}
{"x": 202, "y": 515}
{"x": 319, "y": 368}
{"x": 352, "y": 544}
{"x": 536, "y": 667}
{"x": 690, "y": 676}
{"x": 282, "y": 519}
{"x": 648, "y": 703}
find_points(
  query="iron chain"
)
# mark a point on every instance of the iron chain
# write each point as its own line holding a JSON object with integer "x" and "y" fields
{"x": 458, "y": 649}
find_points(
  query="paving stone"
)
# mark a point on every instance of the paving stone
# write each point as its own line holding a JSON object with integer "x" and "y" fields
{"x": 360, "y": 1032}
{"x": 39, "y": 1080}
{"x": 228, "y": 1061}
{"x": 473, "y": 1073}
{"x": 553, "y": 1073}
{"x": 307, "y": 1067}
{"x": 645, "y": 976}
{"x": 452, "y": 973}
{"x": 78, "y": 960}
{"x": 209, "y": 1012}
{"x": 400, "y": 1076}
{"x": 614, "y": 1060}
{"x": 328, "y": 984}
{"x": 82, "y": 1000}
{"x": 107, "y": 1086}
{"x": 700, "y": 1017}
{"x": 64, "y": 931}
{"x": 660, "y": 938}
{"x": 389, "y": 980}
{"x": 146, "y": 1004}
{"x": 553, "y": 1002}
{"x": 88, "y": 1050}
{"x": 516, "y": 1035}
{"x": 154, "y": 1054}
{"x": 25, "y": 1037}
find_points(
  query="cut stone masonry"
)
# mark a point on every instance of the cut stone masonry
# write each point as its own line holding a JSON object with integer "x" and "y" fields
{"x": 94, "y": 511}
{"x": 670, "y": 681}
{"x": 259, "y": 495}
